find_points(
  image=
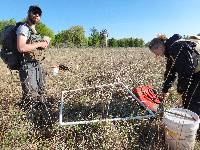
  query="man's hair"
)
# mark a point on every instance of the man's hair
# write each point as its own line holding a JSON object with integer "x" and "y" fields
{"x": 35, "y": 10}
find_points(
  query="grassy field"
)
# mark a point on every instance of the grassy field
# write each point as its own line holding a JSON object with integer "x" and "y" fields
{"x": 86, "y": 67}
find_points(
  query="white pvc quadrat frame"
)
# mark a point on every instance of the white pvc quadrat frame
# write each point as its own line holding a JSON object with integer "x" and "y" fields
{"x": 151, "y": 114}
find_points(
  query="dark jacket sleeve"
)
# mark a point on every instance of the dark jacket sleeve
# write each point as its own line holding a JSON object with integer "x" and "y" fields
{"x": 169, "y": 76}
{"x": 184, "y": 66}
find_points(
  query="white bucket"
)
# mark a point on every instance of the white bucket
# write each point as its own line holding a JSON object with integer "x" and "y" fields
{"x": 181, "y": 126}
{"x": 55, "y": 71}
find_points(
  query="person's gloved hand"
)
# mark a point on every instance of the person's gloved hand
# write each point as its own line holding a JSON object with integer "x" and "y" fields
{"x": 44, "y": 43}
{"x": 163, "y": 96}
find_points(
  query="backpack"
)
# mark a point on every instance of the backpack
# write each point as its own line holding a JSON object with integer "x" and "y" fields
{"x": 147, "y": 95}
{"x": 9, "y": 52}
{"x": 196, "y": 54}
{"x": 194, "y": 42}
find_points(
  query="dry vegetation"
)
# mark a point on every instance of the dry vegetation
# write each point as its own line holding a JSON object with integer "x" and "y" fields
{"x": 87, "y": 67}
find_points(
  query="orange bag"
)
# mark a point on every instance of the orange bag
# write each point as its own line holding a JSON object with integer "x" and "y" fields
{"x": 147, "y": 96}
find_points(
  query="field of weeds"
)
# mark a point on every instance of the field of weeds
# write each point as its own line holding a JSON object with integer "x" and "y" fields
{"x": 86, "y": 68}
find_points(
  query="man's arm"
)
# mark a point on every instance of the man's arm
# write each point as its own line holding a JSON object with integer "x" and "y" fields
{"x": 169, "y": 76}
{"x": 22, "y": 45}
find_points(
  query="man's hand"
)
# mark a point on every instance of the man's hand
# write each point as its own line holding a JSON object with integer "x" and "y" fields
{"x": 163, "y": 96}
{"x": 43, "y": 45}
{"x": 47, "y": 39}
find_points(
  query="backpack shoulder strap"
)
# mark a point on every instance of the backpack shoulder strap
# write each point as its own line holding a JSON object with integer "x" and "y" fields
{"x": 23, "y": 23}
{"x": 196, "y": 40}
{"x": 195, "y": 37}
{"x": 30, "y": 30}
{"x": 18, "y": 24}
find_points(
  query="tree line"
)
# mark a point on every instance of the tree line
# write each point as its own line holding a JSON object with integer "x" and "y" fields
{"x": 75, "y": 37}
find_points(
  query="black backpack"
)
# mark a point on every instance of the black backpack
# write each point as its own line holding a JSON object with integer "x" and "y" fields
{"x": 194, "y": 45}
{"x": 9, "y": 52}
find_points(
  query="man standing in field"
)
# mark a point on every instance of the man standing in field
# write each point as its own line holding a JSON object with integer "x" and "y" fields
{"x": 30, "y": 72}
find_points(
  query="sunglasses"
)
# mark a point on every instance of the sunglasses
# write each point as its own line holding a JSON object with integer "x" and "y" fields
{"x": 35, "y": 12}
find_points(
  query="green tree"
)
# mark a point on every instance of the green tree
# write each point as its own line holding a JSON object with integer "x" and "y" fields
{"x": 128, "y": 42}
{"x": 131, "y": 42}
{"x": 4, "y": 23}
{"x": 95, "y": 37}
{"x": 142, "y": 43}
{"x": 136, "y": 42}
{"x": 112, "y": 42}
{"x": 43, "y": 30}
{"x": 89, "y": 41}
{"x": 121, "y": 43}
{"x": 58, "y": 39}
{"x": 76, "y": 35}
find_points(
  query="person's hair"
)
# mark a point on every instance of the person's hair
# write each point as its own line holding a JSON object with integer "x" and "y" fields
{"x": 160, "y": 40}
{"x": 35, "y": 10}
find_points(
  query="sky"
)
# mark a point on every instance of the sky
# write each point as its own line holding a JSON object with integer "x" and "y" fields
{"x": 122, "y": 18}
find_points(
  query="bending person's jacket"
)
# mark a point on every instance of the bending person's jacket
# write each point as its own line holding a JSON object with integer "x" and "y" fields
{"x": 179, "y": 63}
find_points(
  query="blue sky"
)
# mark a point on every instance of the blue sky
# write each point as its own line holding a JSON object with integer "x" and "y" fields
{"x": 122, "y": 18}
